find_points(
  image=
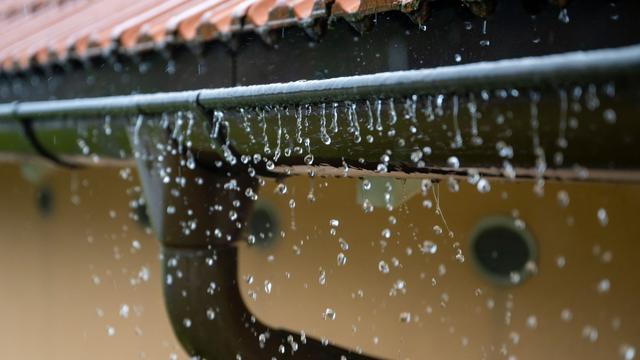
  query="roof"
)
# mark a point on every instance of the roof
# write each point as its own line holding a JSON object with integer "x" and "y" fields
{"x": 41, "y": 32}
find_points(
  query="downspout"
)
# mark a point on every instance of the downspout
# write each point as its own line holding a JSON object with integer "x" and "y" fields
{"x": 191, "y": 218}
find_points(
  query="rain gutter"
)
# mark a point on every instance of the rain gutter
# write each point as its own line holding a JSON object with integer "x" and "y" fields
{"x": 529, "y": 71}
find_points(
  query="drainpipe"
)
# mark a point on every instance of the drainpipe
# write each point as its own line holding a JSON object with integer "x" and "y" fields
{"x": 192, "y": 219}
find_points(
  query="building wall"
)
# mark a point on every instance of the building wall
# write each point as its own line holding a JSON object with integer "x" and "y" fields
{"x": 65, "y": 274}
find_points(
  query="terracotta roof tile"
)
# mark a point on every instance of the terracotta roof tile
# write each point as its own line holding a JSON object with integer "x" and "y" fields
{"x": 39, "y": 32}
{"x": 219, "y": 22}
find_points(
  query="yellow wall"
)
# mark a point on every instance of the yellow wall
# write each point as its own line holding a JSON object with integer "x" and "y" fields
{"x": 48, "y": 299}
{"x": 49, "y": 302}
{"x": 297, "y": 302}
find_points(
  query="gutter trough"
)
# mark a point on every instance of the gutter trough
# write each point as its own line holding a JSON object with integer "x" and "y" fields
{"x": 605, "y": 149}
{"x": 531, "y": 71}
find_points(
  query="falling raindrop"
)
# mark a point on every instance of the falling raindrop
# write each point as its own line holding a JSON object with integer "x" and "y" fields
{"x": 590, "y": 333}
{"x": 453, "y": 162}
{"x": 483, "y": 185}
{"x": 124, "y": 311}
{"x": 627, "y": 352}
{"x": 322, "y": 279}
{"x": 329, "y": 314}
{"x": 453, "y": 184}
{"x": 343, "y": 244}
{"x": 563, "y": 198}
{"x": 566, "y": 315}
{"x": 609, "y": 116}
{"x": 308, "y": 159}
{"x": 383, "y": 267}
{"x": 563, "y": 16}
{"x": 342, "y": 259}
{"x": 603, "y": 218}
{"x": 211, "y": 314}
{"x": 405, "y": 317}
{"x": 428, "y": 247}
{"x": 281, "y": 189}
{"x": 603, "y": 286}
{"x": 111, "y": 331}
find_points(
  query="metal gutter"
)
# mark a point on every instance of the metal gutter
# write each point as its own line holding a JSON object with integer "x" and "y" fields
{"x": 56, "y": 127}
{"x": 530, "y": 71}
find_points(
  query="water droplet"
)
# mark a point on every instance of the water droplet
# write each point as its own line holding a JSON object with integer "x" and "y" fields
{"x": 334, "y": 222}
{"x": 329, "y": 314}
{"x": 343, "y": 244}
{"x": 211, "y": 314}
{"x": 609, "y": 116}
{"x": 367, "y": 206}
{"x": 603, "y": 218}
{"x": 627, "y": 352}
{"x": 281, "y": 189}
{"x": 437, "y": 229}
{"x": 483, "y": 185}
{"x": 111, "y": 331}
{"x": 322, "y": 279}
{"x": 590, "y": 333}
{"x": 267, "y": 286}
{"x": 532, "y": 322}
{"x": 381, "y": 168}
{"x": 603, "y": 286}
{"x": 566, "y": 315}
{"x": 405, "y": 317}
{"x": 563, "y": 198}
{"x": 416, "y": 155}
{"x": 186, "y": 322}
{"x": 342, "y": 259}
{"x": 453, "y": 162}
{"x": 428, "y": 247}
{"x": 563, "y": 16}
{"x": 453, "y": 184}
{"x": 457, "y": 57}
{"x": 124, "y": 311}
{"x": 308, "y": 159}
{"x": 383, "y": 267}
{"x": 270, "y": 165}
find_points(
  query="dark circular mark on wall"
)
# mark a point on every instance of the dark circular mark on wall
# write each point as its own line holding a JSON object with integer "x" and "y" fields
{"x": 263, "y": 225}
{"x": 44, "y": 201}
{"x": 502, "y": 250}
